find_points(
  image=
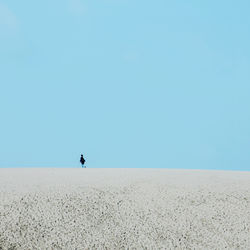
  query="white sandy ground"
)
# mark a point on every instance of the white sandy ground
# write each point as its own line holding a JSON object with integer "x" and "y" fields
{"x": 124, "y": 209}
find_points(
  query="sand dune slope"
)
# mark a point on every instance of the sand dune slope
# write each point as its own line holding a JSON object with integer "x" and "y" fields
{"x": 124, "y": 209}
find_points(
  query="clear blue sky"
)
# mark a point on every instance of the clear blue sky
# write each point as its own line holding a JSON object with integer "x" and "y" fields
{"x": 159, "y": 84}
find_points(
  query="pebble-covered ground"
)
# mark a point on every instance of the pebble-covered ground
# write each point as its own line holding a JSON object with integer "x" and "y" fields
{"x": 146, "y": 213}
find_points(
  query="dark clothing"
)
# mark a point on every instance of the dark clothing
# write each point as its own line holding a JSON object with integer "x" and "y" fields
{"x": 82, "y": 160}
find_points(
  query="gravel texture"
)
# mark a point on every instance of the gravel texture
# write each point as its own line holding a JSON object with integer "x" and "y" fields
{"x": 124, "y": 209}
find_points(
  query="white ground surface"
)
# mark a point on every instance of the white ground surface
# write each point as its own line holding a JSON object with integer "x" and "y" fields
{"x": 124, "y": 209}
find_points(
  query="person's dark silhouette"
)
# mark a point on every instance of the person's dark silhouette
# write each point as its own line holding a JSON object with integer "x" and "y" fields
{"x": 82, "y": 160}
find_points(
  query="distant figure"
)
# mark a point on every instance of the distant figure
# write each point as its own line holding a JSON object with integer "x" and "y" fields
{"x": 82, "y": 160}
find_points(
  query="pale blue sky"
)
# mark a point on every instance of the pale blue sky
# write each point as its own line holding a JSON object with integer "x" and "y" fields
{"x": 160, "y": 84}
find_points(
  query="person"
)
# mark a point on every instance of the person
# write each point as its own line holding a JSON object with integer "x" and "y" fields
{"x": 82, "y": 160}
